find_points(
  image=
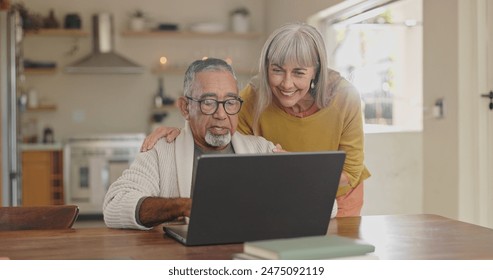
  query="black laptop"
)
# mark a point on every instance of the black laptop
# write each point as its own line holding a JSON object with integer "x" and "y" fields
{"x": 240, "y": 198}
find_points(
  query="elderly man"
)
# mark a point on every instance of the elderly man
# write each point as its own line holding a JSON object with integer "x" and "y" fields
{"x": 157, "y": 186}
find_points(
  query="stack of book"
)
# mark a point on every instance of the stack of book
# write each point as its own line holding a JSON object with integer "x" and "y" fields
{"x": 307, "y": 248}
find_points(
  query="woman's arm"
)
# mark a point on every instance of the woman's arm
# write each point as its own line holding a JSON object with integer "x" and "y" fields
{"x": 352, "y": 136}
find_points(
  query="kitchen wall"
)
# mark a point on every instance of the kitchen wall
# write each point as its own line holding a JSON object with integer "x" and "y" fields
{"x": 91, "y": 104}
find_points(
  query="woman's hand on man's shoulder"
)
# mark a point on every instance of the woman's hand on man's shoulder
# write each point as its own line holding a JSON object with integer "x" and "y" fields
{"x": 163, "y": 131}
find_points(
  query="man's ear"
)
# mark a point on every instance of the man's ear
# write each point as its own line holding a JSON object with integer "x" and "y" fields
{"x": 183, "y": 106}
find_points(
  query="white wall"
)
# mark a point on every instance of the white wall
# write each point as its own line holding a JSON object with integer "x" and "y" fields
{"x": 395, "y": 161}
{"x": 441, "y": 80}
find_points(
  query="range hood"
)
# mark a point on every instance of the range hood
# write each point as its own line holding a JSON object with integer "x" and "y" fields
{"x": 103, "y": 59}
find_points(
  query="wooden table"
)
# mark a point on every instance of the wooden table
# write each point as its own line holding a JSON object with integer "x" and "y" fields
{"x": 395, "y": 237}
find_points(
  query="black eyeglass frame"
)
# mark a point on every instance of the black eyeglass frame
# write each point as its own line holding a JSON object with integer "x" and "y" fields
{"x": 200, "y": 101}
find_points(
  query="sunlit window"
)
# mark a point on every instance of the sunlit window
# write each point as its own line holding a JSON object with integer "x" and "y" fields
{"x": 380, "y": 52}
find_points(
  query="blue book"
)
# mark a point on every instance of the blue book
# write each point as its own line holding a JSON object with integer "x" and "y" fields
{"x": 308, "y": 248}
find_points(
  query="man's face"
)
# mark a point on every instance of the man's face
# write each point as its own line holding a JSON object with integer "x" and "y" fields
{"x": 218, "y": 127}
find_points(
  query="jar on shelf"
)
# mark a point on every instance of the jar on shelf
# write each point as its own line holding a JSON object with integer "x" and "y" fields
{"x": 240, "y": 20}
{"x": 137, "y": 21}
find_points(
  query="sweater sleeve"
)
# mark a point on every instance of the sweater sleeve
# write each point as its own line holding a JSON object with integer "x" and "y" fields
{"x": 121, "y": 200}
{"x": 352, "y": 136}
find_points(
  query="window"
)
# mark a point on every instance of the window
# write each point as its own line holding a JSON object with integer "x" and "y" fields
{"x": 380, "y": 52}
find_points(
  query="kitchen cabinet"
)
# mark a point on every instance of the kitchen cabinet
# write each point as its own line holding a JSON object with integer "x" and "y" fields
{"x": 42, "y": 177}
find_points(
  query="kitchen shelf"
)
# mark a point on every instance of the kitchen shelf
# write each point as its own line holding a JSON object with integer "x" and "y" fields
{"x": 190, "y": 34}
{"x": 42, "y": 108}
{"x": 40, "y": 71}
{"x": 59, "y": 32}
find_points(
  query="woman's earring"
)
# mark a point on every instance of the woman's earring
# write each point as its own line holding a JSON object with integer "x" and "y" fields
{"x": 312, "y": 84}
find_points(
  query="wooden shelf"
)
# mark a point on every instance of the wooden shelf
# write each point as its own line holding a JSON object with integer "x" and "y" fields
{"x": 40, "y": 71}
{"x": 42, "y": 108}
{"x": 59, "y": 32}
{"x": 190, "y": 34}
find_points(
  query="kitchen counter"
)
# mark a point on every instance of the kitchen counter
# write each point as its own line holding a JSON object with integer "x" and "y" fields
{"x": 41, "y": 147}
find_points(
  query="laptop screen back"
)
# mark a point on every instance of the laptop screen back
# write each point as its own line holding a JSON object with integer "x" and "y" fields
{"x": 240, "y": 198}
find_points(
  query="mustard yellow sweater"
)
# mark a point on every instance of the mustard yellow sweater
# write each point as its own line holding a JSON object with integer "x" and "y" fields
{"x": 336, "y": 127}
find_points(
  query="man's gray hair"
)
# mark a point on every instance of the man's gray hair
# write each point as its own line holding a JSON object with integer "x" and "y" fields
{"x": 208, "y": 64}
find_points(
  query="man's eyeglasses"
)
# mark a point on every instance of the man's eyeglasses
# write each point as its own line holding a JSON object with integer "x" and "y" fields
{"x": 209, "y": 106}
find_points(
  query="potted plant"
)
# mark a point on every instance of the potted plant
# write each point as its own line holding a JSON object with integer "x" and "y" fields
{"x": 240, "y": 20}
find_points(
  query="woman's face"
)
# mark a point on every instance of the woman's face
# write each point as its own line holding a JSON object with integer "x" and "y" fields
{"x": 290, "y": 83}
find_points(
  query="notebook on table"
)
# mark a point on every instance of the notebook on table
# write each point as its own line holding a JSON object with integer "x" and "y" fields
{"x": 239, "y": 198}
{"x": 309, "y": 248}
